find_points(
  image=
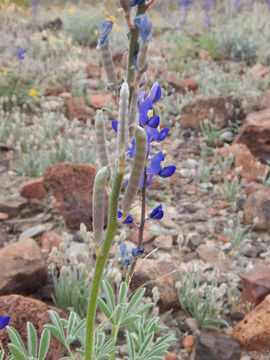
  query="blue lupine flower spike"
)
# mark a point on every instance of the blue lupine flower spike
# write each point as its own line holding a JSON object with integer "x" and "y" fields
{"x": 144, "y": 24}
{"x": 128, "y": 219}
{"x": 126, "y": 260}
{"x": 4, "y": 320}
{"x": 157, "y": 213}
{"x": 104, "y": 30}
{"x": 137, "y": 251}
{"x": 20, "y": 53}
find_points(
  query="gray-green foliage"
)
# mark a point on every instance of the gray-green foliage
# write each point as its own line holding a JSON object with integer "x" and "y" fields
{"x": 201, "y": 301}
{"x": 81, "y": 25}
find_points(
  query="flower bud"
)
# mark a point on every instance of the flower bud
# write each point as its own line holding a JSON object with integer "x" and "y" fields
{"x": 122, "y": 136}
{"x": 99, "y": 204}
{"x": 102, "y": 150}
{"x": 137, "y": 169}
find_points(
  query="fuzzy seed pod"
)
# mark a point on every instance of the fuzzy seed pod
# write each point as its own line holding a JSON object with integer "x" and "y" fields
{"x": 109, "y": 66}
{"x": 137, "y": 169}
{"x": 142, "y": 56}
{"x": 133, "y": 109}
{"x": 102, "y": 150}
{"x": 99, "y": 204}
{"x": 122, "y": 135}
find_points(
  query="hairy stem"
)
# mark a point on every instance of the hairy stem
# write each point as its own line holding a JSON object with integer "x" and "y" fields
{"x": 115, "y": 330}
{"x": 101, "y": 262}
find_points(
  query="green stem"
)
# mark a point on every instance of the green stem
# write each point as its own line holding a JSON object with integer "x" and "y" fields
{"x": 101, "y": 262}
{"x": 114, "y": 335}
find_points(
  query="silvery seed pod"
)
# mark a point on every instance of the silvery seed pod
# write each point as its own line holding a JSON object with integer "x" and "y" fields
{"x": 109, "y": 66}
{"x": 99, "y": 204}
{"x": 102, "y": 150}
{"x": 122, "y": 135}
{"x": 133, "y": 109}
{"x": 142, "y": 56}
{"x": 137, "y": 169}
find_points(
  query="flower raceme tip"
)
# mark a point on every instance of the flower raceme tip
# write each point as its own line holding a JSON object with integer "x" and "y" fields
{"x": 144, "y": 24}
{"x": 104, "y": 30}
{"x": 157, "y": 213}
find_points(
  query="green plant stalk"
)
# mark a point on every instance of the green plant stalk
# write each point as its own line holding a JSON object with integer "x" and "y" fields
{"x": 134, "y": 34}
{"x": 101, "y": 261}
{"x": 114, "y": 334}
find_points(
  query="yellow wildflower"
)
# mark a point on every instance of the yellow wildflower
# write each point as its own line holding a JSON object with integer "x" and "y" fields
{"x": 96, "y": 32}
{"x": 33, "y": 92}
{"x": 51, "y": 38}
{"x": 71, "y": 10}
{"x": 4, "y": 70}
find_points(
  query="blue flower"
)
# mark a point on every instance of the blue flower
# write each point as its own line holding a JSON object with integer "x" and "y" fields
{"x": 126, "y": 260}
{"x": 157, "y": 134}
{"x": 144, "y": 24}
{"x": 4, "y": 320}
{"x": 157, "y": 168}
{"x": 136, "y": 2}
{"x": 128, "y": 219}
{"x": 104, "y": 30}
{"x": 137, "y": 251}
{"x": 115, "y": 125}
{"x": 146, "y": 106}
{"x": 157, "y": 213}
{"x": 20, "y": 53}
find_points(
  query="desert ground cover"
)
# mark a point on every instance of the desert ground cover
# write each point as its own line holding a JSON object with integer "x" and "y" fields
{"x": 202, "y": 256}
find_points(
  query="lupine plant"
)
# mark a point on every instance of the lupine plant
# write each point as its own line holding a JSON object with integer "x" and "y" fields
{"x": 136, "y": 127}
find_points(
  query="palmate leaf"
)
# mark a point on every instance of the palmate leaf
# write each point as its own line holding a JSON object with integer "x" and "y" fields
{"x": 16, "y": 352}
{"x": 134, "y": 301}
{"x": 44, "y": 344}
{"x": 32, "y": 344}
{"x": 56, "y": 329}
{"x": 104, "y": 308}
{"x": 16, "y": 340}
{"x": 71, "y": 323}
{"x": 109, "y": 295}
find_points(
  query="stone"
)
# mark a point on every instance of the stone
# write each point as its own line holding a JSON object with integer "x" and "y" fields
{"x": 11, "y": 206}
{"x": 72, "y": 187}
{"x": 245, "y": 160}
{"x": 255, "y": 134}
{"x": 147, "y": 235}
{"x": 55, "y": 91}
{"x": 214, "y": 256}
{"x": 99, "y": 100}
{"x": 256, "y": 284}
{"x": 50, "y": 239}
{"x": 188, "y": 343}
{"x": 93, "y": 71}
{"x": 22, "y": 309}
{"x": 217, "y": 109}
{"x": 257, "y": 210}
{"x": 254, "y": 186}
{"x": 22, "y": 269}
{"x": 264, "y": 101}
{"x": 32, "y": 232}
{"x": 212, "y": 347}
{"x": 253, "y": 332}
{"x": 160, "y": 273}
{"x": 78, "y": 249}
{"x": 33, "y": 189}
{"x": 194, "y": 241}
{"x": 259, "y": 70}
{"x": 164, "y": 242}
{"x": 3, "y": 216}
{"x": 171, "y": 356}
{"x": 187, "y": 84}
{"x": 76, "y": 109}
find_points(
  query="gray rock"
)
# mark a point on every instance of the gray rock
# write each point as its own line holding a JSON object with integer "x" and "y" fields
{"x": 225, "y": 137}
{"x": 32, "y": 232}
{"x": 12, "y": 206}
{"x": 212, "y": 347}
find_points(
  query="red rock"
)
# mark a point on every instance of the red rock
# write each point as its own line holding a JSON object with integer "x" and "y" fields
{"x": 259, "y": 70}
{"x": 254, "y": 186}
{"x": 55, "y": 91}
{"x": 22, "y": 269}
{"x": 33, "y": 189}
{"x": 3, "y": 216}
{"x": 22, "y": 309}
{"x": 264, "y": 101}
{"x": 217, "y": 109}
{"x": 187, "y": 84}
{"x": 256, "y": 284}
{"x": 188, "y": 343}
{"x": 147, "y": 236}
{"x": 11, "y": 206}
{"x": 50, "y": 239}
{"x": 99, "y": 100}
{"x": 93, "y": 71}
{"x": 253, "y": 332}
{"x": 160, "y": 273}
{"x": 258, "y": 206}
{"x": 72, "y": 187}
{"x": 76, "y": 109}
{"x": 222, "y": 238}
{"x": 171, "y": 356}
{"x": 255, "y": 134}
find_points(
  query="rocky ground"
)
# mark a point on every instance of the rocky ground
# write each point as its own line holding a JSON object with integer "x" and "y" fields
{"x": 211, "y": 247}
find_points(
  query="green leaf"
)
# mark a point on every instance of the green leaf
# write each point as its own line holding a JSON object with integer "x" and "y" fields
{"x": 52, "y": 329}
{"x": 131, "y": 347}
{"x": 16, "y": 352}
{"x": 104, "y": 308}
{"x": 57, "y": 322}
{"x": 71, "y": 322}
{"x": 145, "y": 344}
{"x": 44, "y": 344}
{"x": 129, "y": 320}
{"x": 109, "y": 295}
{"x": 31, "y": 340}
{"x": 79, "y": 327}
{"x": 122, "y": 292}
{"x": 16, "y": 340}
{"x": 2, "y": 354}
{"x": 134, "y": 301}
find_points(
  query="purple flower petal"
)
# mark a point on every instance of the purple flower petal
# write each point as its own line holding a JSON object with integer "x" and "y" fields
{"x": 156, "y": 163}
{"x": 4, "y": 320}
{"x": 104, "y": 30}
{"x": 144, "y": 107}
{"x": 163, "y": 134}
{"x": 153, "y": 122}
{"x": 167, "y": 171}
{"x": 157, "y": 213}
{"x": 155, "y": 93}
{"x": 131, "y": 150}
{"x": 144, "y": 24}
{"x": 115, "y": 125}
